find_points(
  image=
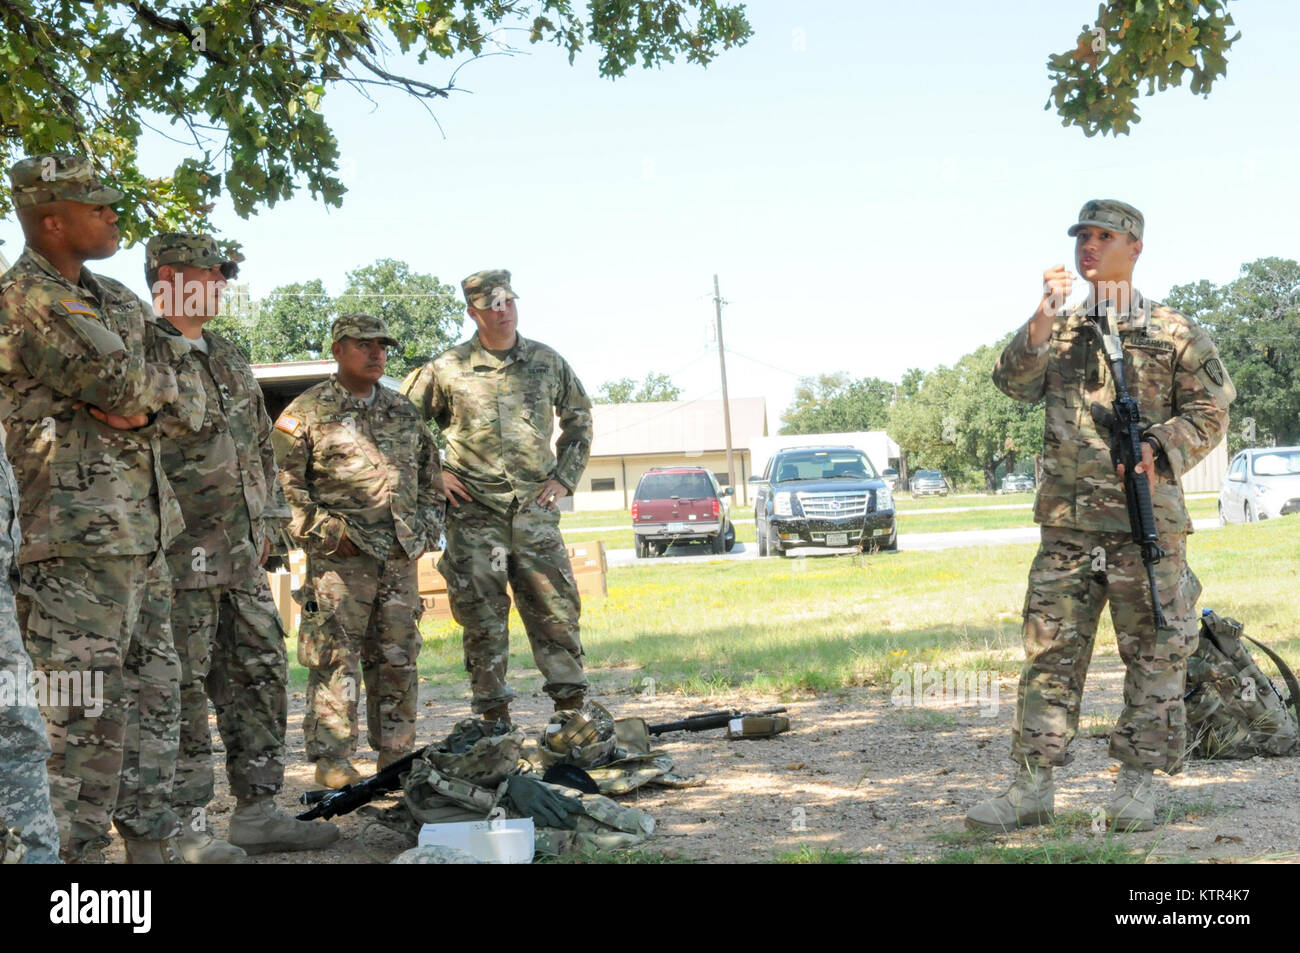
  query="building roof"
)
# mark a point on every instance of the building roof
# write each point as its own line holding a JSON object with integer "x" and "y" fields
{"x": 677, "y": 426}
{"x": 305, "y": 372}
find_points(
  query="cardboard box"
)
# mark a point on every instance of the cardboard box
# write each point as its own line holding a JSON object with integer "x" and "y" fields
{"x": 588, "y": 557}
{"x": 436, "y": 605}
{"x": 430, "y": 580}
{"x": 591, "y": 585}
{"x": 282, "y": 585}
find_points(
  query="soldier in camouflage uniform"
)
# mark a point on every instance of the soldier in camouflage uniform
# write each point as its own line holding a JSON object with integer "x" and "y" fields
{"x": 494, "y": 398}
{"x": 361, "y": 473}
{"x": 79, "y": 399}
{"x": 228, "y": 633}
{"x": 24, "y": 785}
{"x": 1087, "y": 556}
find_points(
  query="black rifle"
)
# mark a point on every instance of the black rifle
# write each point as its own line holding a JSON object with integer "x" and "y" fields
{"x": 347, "y": 799}
{"x": 1124, "y": 422}
{"x": 708, "y": 720}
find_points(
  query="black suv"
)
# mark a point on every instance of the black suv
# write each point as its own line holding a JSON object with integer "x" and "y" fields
{"x": 822, "y": 496}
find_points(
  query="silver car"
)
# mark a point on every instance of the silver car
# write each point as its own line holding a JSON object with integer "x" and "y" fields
{"x": 1261, "y": 483}
{"x": 925, "y": 482}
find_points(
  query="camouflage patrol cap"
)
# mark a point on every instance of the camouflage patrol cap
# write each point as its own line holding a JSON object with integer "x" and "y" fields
{"x": 483, "y": 289}
{"x": 184, "y": 248}
{"x": 1109, "y": 214}
{"x": 362, "y": 327}
{"x": 58, "y": 177}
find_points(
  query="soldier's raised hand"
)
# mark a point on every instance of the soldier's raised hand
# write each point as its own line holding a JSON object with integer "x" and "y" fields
{"x": 1057, "y": 283}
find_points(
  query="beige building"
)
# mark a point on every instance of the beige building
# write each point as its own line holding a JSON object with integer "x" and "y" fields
{"x": 631, "y": 438}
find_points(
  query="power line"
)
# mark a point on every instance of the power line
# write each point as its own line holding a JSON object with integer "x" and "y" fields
{"x": 755, "y": 360}
{"x": 678, "y": 405}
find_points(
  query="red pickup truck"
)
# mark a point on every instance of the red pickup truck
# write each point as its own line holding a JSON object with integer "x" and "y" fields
{"x": 680, "y": 505}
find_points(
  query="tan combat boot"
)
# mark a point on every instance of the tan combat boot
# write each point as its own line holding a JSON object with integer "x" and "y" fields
{"x": 200, "y": 847}
{"x": 1133, "y": 808}
{"x": 498, "y": 713}
{"x": 151, "y": 852}
{"x": 259, "y": 826}
{"x": 1029, "y": 801}
{"x": 336, "y": 773}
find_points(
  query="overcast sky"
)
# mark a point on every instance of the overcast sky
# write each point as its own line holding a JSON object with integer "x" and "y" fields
{"x": 874, "y": 191}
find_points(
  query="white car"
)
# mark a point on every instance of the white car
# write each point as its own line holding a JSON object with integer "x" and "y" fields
{"x": 1261, "y": 483}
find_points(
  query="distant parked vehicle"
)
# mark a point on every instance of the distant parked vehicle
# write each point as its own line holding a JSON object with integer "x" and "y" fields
{"x": 890, "y": 476}
{"x": 681, "y": 505}
{"x": 1017, "y": 483}
{"x": 1261, "y": 483}
{"x": 822, "y": 496}
{"x": 929, "y": 483}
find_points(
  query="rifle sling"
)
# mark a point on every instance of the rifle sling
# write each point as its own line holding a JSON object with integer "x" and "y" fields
{"x": 1292, "y": 687}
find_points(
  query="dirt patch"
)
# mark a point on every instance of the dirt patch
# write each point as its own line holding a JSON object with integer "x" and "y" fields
{"x": 859, "y": 775}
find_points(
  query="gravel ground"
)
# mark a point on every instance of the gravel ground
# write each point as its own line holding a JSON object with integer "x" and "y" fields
{"x": 861, "y": 775}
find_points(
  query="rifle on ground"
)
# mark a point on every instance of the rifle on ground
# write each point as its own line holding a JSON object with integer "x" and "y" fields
{"x": 1124, "y": 422}
{"x": 345, "y": 800}
{"x": 709, "y": 720}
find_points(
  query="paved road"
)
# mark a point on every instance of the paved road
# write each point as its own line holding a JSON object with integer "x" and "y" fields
{"x": 911, "y": 542}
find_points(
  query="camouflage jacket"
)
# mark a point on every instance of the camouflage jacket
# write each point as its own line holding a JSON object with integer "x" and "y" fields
{"x": 224, "y": 475}
{"x": 1174, "y": 373}
{"x": 11, "y": 534}
{"x": 497, "y": 417}
{"x": 369, "y": 470}
{"x": 87, "y": 489}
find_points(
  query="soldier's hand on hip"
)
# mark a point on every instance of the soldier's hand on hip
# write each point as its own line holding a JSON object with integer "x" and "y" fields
{"x": 553, "y": 491}
{"x": 1147, "y": 466}
{"x": 453, "y": 488}
{"x": 347, "y": 547}
{"x": 266, "y": 551}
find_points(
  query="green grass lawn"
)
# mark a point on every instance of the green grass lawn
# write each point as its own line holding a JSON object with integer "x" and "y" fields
{"x": 825, "y": 623}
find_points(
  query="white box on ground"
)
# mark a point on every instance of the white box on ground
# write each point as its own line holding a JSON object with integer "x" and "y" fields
{"x": 496, "y": 842}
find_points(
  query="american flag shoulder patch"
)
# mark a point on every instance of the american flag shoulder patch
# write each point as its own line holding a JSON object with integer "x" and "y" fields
{"x": 73, "y": 306}
{"x": 289, "y": 424}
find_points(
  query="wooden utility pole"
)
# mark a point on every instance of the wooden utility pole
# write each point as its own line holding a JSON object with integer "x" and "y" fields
{"x": 726, "y": 404}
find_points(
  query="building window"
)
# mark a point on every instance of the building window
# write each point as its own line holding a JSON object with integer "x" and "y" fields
{"x": 722, "y": 479}
{"x": 598, "y": 485}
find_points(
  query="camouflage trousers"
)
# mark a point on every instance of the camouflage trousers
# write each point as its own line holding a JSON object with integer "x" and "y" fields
{"x": 24, "y": 747}
{"x": 366, "y": 615}
{"x": 1074, "y": 574}
{"x": 485, "y": 551}
{"x": 102, "y": 625}
{"x": 231, "y": 645}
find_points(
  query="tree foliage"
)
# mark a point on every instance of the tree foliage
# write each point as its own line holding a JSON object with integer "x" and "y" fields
{"x": 625, "y": 390}
{"x": 954, "y": 419}
{"x": 293, "y": 322}
{"x": 1255, "y": 321}
{"x": 1136, "y": 41}
{"x": 243, "y": 84}
{"x": 836, "y": 403}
